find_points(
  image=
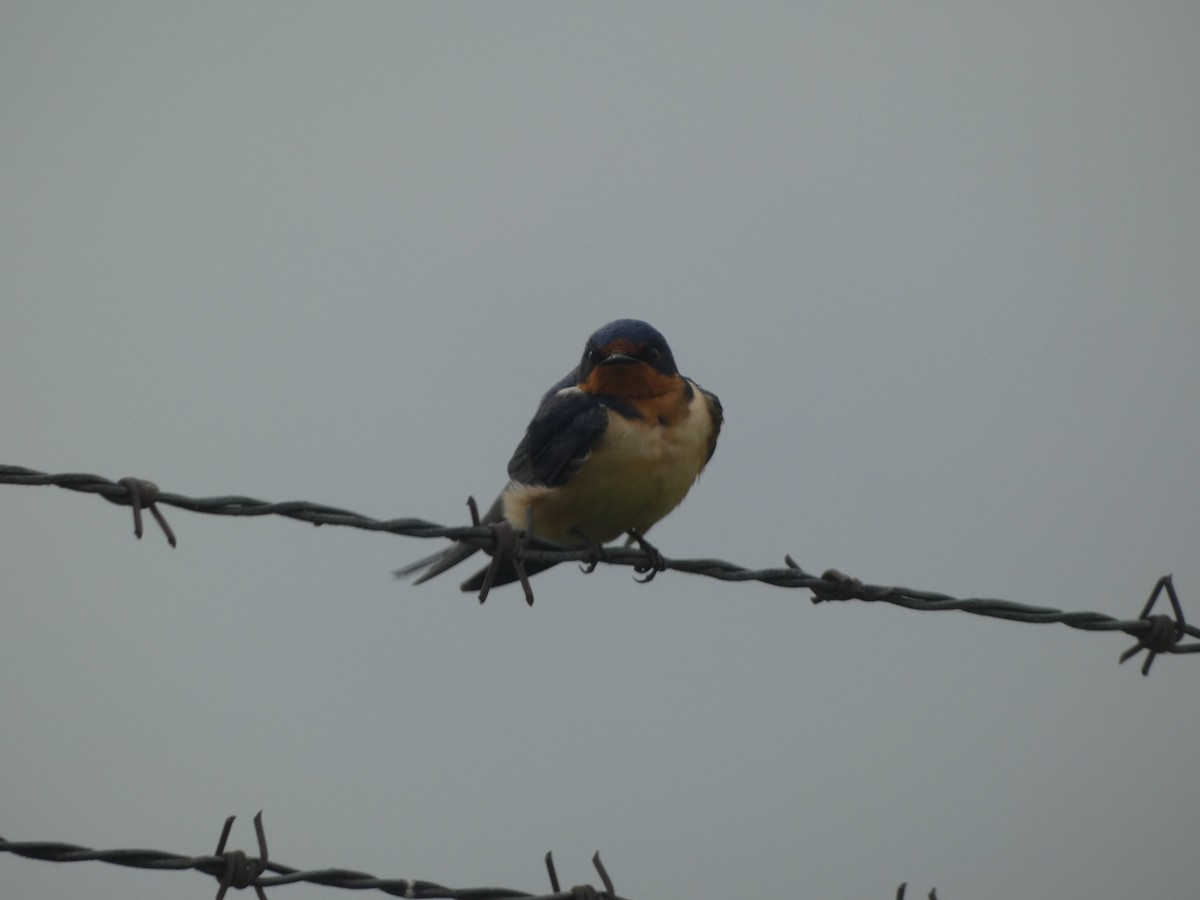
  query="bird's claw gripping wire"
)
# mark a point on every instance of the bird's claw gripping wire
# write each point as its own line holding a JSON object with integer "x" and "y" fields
{"x": 508, "y": 547}
{"x": 595, "y": 552}
{"x": 1165, "y": 632}
{"x": 142, "y": 495}
{"x": 656, "y": 562}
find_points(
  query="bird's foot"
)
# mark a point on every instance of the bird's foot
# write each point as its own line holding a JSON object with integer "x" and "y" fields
{"x": 595, "y": 552}
{"x": 657, "y": 562}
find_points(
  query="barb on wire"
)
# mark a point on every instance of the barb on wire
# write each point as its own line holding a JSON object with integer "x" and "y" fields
{"x": 1164, "y": 632}
{"x": 582, "y": 891}
{"x": 240, "y": 870}
{"x": 234, "y": 869}
{"x": 143, "y": 494}
{"x": 508, "y": 545}
{"x": 1151, "y": 635}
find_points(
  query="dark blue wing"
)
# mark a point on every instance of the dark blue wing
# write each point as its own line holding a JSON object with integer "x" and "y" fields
{"x": 567, "y": 426}
{"x": 717, "y": 412}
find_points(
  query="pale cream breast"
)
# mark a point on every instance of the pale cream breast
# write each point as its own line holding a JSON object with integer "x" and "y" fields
{"x": 642, "y": 470}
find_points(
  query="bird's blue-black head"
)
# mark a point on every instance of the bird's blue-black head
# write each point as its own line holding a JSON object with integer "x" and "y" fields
{"x": 627, "y": 342}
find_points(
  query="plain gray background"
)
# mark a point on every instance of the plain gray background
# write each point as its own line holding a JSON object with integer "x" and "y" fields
{"x": 940, "y": 262}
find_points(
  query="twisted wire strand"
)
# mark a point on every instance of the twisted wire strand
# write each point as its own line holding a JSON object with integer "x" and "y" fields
{"x": 825, "y": 588}
{"x": 52, "y": 851}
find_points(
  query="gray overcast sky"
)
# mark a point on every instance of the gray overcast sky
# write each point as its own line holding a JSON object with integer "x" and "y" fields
{"x": 939, "y": 261}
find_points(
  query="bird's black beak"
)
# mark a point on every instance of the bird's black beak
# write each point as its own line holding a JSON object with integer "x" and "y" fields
{"x": 617, "y": 359}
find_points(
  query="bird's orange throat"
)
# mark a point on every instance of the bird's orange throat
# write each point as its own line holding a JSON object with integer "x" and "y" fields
{"x": 633, "y": 381}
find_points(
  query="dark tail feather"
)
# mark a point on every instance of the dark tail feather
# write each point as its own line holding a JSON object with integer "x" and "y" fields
{"x": 439, "y": 562}
{"x": 436, "y": 563}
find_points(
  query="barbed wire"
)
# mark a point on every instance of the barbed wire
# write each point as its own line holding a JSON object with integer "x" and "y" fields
{"x": 1154, "y": 633}
{"x": 235, "y": 869}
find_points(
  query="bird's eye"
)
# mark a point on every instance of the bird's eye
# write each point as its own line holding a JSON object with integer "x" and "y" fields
{"x": 651, "y": 354}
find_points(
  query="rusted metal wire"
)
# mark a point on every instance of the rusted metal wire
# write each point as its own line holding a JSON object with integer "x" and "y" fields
{"x": 1150, "y": 631}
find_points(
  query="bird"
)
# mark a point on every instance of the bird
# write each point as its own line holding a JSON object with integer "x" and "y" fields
{"x": 614, "y": 446}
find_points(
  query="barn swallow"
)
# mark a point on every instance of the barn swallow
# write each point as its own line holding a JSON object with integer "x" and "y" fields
{"x": 614, "y": 446}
